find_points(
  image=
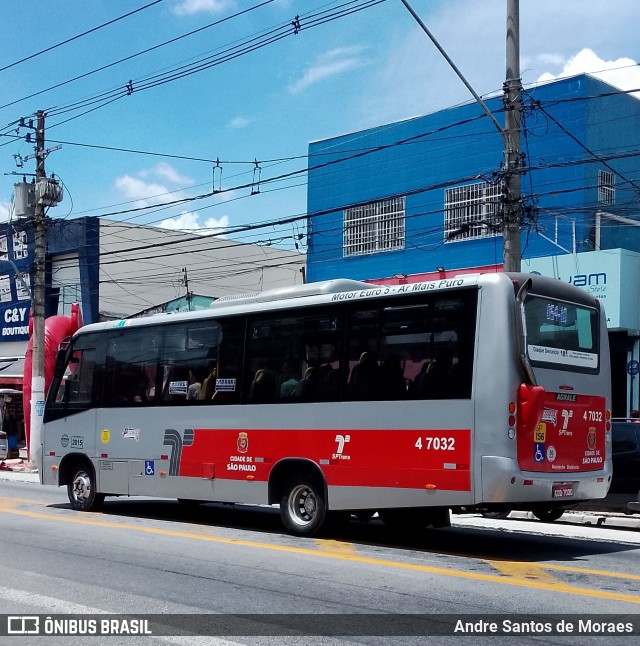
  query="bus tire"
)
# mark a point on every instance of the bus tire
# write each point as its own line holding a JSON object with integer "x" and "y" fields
{"x": 81, "y": 489}
{"x": 496, "y": 515}
{"x": 548, "y": 514}
{"x": 302, "y": 507}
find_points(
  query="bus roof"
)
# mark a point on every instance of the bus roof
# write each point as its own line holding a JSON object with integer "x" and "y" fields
{"x": 335, "y": 290}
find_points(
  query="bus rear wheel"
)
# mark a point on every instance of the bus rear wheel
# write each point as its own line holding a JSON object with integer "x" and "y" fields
{"x": 496, "y": 515}
{"x": 81, "y": 489}
{"x": 548, "y": 514}
{"x": 302, "y": 507}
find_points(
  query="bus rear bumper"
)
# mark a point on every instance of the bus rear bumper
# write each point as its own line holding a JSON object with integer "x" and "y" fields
{"x": 504, "y": 482}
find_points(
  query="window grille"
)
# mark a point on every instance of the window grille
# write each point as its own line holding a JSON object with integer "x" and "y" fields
{"x": 472, "y": 211}
{"x": 374, "y": 227}
{"x": 606, "y": 187}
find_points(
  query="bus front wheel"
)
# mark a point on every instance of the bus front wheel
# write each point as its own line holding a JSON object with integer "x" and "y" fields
{"x": 82, "y": 489}
{"x": 302, "y": 507}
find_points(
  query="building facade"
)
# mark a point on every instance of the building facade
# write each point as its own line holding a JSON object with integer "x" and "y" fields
{"x": 423, "y": 198}
{"x": 116, "y": 270}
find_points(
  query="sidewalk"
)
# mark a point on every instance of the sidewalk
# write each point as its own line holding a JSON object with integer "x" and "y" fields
{"x": 17, "y": 469}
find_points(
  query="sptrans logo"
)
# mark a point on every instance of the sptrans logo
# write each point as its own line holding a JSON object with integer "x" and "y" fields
{"x": 341, "y": 440}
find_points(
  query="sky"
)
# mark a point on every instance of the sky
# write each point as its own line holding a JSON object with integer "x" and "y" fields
{"x": 286, "y": 72}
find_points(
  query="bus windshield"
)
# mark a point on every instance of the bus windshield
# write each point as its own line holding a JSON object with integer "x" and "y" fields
{"x": 561, "y": 334}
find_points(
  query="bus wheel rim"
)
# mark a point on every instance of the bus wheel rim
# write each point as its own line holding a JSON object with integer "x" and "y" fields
{"x": 302, "y": 505}
{"x": 81, "y": 487}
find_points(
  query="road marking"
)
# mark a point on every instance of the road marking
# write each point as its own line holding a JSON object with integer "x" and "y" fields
{"x": 335, "y": 547}
{"x": 524, "y": 571}
{"x": 613, "y": 575}
{"x": 95, "y": 520}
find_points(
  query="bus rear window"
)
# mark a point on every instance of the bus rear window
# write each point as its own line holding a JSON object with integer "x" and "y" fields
{"x": 560, "y": 333}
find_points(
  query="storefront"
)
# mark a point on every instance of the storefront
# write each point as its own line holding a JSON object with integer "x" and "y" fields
{"x": 612, "y": 276}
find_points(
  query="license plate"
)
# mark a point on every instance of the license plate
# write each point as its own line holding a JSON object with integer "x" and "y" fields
{"x": 563, "y": 490}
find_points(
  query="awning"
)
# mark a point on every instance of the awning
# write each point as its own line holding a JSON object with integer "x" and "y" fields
{"x": 11, "y": 367}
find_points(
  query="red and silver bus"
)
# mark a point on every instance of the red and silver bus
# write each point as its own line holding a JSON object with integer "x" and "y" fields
{"x": 479, "y": 393}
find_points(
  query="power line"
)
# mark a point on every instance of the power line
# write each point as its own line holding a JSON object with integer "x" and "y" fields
{"x": 140, "y": 53}
{"x": 285, "y": 29}
{"x": 84, "y": 33}
{"x": 246, "y": 47}
{"x": 595, "y": 156}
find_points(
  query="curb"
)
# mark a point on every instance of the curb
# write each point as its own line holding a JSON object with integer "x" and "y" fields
{"x": 18, "y": 471}
{"x": 594, "y": 518}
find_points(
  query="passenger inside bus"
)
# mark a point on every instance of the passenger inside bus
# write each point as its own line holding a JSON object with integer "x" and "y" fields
{"x": 393, "y": 385}
{"x": 330, "y": 383}
{"x": 434, "y": 382}
{"x": 263, "y": 388}
{"x": 195, "y": 384}
{"x": 291, "y": 385}
{"x": 363, "y": 380}
{"x": 310, "y": 386}
{"x": 208, "y": 389}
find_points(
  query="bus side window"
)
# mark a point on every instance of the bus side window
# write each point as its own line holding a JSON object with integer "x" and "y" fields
{"x": 207, "y": 353}
{"x": 293, "y": 358}
{"x": 78, "y": 387}
{"x": 418, "y": 348}
{"x": 131, "y": 368}
{"x": 225, "y": 364}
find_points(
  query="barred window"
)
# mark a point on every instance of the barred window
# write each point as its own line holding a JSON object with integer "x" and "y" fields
{"x": 606, "y": 187}
{"x": 374, "y": 227}
{"x": 472, "y": 211}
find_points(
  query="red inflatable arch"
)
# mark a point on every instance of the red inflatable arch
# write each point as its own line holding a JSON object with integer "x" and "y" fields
{"x": 56, "y": 328}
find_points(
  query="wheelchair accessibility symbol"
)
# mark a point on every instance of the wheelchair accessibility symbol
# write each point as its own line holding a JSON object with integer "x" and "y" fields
{"x": 148, "y": 467}
{"x": 538, "y": 452}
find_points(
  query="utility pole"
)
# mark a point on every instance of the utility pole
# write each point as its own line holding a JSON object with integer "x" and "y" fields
{"x": 186, "y": 284}
{"x": 37, "y": 302}
{"x": 512, "y": 98}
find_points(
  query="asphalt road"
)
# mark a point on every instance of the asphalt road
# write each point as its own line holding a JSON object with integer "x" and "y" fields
{"x": 157, "y": 558}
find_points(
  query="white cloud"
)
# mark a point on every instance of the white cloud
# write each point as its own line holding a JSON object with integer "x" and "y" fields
{"x": 331, "y": 63}
{"x": 145, "y": 191}
{"x": 239, "y": 122}
{"x": 168, "y": 172}
{"x": 189, "y": 7}
{"x": 189, "y": 221}
{"x": 4, "y": 211}
{"x": 623, "y": 73}
{"x": 413, "y": 78}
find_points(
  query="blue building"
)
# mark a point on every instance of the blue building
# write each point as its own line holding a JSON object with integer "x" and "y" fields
{"x": 411, "y": 196}
{"x": 422, "y": 198}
